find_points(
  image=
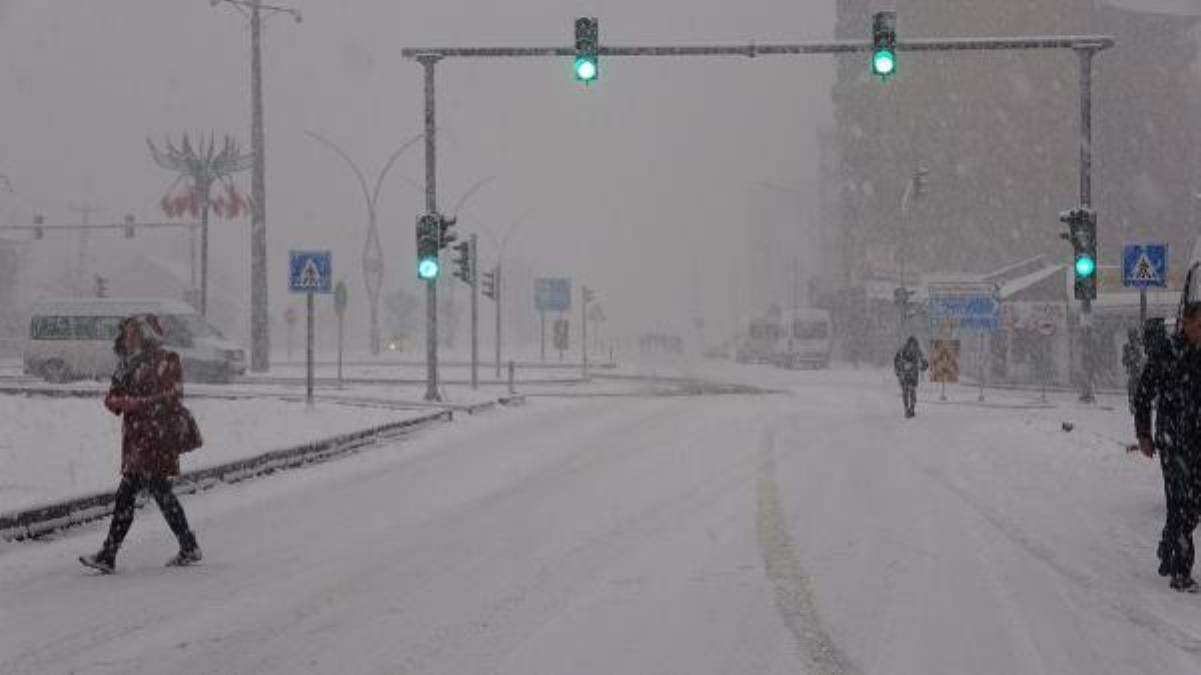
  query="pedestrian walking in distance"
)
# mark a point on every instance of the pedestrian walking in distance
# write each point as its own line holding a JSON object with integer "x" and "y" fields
{"x": 1170, "y": 385}
{"x": 147, "y": 392}
{"x": 908, "y": 364}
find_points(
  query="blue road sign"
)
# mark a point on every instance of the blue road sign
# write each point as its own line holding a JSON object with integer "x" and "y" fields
{"x": 1145, "y": 265}
{"x": 310, "y": 272}
{"x": 965, "y": 309}
{"x": 552, "y": 295}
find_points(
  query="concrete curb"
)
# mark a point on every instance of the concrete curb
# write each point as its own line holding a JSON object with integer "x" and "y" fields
{"x": 41, "y": 520}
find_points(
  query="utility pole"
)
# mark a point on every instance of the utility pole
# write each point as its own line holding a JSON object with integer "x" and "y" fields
{"x": 260, "y": 327}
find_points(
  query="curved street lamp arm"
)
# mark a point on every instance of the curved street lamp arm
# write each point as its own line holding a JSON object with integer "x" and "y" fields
{"x": 353, "y": 167}
{"x": 379, "y": 182}
{"x": 472, "y": 190}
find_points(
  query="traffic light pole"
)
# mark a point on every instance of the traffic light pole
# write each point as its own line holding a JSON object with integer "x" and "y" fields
{"x": 1086, "y": 195}
{"x": 428, "y": 61}
{"x": 499, "y": 304}
{"x": 584, "y": 332}
{"x": 475, "y": 315}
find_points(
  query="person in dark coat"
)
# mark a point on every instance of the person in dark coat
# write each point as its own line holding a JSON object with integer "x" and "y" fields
{"x": 1171, "y": 385}
{"x": 147, "y": 391}
{"x": 1132, "y": 360}
{"x": 908, "y": 364}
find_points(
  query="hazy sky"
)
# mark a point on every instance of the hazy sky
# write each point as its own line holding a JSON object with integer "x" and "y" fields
{"x": 643, "y": 185}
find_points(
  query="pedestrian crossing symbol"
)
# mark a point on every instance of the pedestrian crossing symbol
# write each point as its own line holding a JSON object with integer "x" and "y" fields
{"x": 310, "y": 272}
{"x": 1145, "y": 266}
{"x": 1144, "y": 270}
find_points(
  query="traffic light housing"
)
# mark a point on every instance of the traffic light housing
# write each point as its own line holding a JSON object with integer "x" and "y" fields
{"x": 884, "y": 44}
{"x": 490, "y": 284}
{"x": 429, "y": 232}
{"x": 589, "y": 294}
{"x": 921, "y": 181}
{"x": 587, "y": 48}
{"x": 463, "y": 262}
{"x": 445, "y": 236}
{"x": 1082, "y": 235}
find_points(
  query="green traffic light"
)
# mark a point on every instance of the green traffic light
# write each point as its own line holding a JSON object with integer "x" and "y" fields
{"x": 1085, "y": 266}
{"x": 427, "y": 269}
{"x": 585, "y": 69}
{"x": 884, "y": 63}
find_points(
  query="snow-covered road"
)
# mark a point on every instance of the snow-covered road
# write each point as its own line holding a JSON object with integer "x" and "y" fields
{"x": 813, "y": 531}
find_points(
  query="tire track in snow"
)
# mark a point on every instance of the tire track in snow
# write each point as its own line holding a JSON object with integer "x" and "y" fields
{"x": 790, "y": 582}
{"x": 1138, "y": 616}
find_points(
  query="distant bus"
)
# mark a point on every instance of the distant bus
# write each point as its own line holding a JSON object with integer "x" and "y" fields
{"x": 804, "y": 339}
{"x": 72, "y": 339}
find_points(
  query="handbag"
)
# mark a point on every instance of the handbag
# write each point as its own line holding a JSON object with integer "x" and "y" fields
{"x": 185, "y": 431}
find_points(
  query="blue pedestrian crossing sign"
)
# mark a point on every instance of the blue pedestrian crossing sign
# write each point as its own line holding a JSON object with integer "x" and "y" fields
{"x": 1145, "y": 266}
{"x": 310, "y": 272}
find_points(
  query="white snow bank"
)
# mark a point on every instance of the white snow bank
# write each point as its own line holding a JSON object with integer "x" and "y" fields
{"x": 59, "y": 448}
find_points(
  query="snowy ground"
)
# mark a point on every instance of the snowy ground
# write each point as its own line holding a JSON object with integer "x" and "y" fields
{"x": 812, "y": 531}
{"x": 60, "y": 448}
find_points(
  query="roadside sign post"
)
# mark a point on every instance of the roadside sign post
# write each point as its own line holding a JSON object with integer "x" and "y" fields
{"x": 983, "y": 352}
{"x": 1144, "y": 266}
{"x": 310, "y": 272}
{"x": 551, "y": 295}
{"x": 340, "y": 309}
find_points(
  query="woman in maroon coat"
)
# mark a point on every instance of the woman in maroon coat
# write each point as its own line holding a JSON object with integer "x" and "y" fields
{"x": 147, "y": 390}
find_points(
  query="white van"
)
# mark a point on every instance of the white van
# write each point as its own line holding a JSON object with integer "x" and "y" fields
{"x": 73, "y": 339}
{"x": 804, "y": 339}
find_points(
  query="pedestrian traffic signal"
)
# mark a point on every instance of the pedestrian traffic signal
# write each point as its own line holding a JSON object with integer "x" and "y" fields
{"x": 587, "y": 37}
{"x": 428, "y": 234}
{"x": 463, "y": 262}
{"x": 884, "y": 44}
{"x": 491, "y": 283}
{"x": 1082, "y": 234}
{"x": 589, "y": 294}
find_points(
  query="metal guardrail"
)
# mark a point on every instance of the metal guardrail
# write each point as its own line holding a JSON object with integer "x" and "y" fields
{"x": 38, "y": 521}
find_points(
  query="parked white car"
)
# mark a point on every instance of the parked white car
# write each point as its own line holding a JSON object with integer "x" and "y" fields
{"x": 71, "y": 339}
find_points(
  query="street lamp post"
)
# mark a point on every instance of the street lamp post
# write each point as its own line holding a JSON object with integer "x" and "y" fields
{"x": 260, "y": 353}
{"x": 373, "y": 253}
